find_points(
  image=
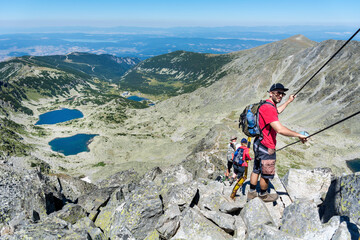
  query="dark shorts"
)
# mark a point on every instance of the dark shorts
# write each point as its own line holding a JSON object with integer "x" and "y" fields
{"x": 229, "y": 165}
{"x": 265, "y": 159}
{"x": 239, "y": 171}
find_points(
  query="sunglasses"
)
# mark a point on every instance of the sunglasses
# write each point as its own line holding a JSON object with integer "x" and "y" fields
{"x": 279, "y": 93}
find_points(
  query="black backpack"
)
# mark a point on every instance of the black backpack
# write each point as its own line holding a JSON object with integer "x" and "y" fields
{"x": 249, "y": 119}
{"x": 238, "y": 156}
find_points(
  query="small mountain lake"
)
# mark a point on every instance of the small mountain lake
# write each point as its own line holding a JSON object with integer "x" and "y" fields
{"x": 354, "y": 165}
{"x": 72, "y": 145}
{"x": 59, "y": 116}
{"x": 136, "y": 98}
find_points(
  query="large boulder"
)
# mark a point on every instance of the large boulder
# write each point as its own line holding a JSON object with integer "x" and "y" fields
{"x": 305, "y": 184}
{"x": 169, "y": 222}
{"x": 139, "y": 213}
{"x": 255, "y": 213}
{"x": 69, "y": 187}
{"x": 343, "y": 198}
{"x": 266, "y": 232}
{"x": 300, "y": 218}
{"x": 106, "y": 213}
{"x": 21, "y": 191}
{"x": 222, "y": 220}
{"x": 88, "y": 225}
{"x": 92, "y": 201}
{"x": 70, "y": 213}
{"x": 193, "y": 225}
{"x": 51, "y": 228}
{"x": 120, "y": 179}
{"x": 211, "y": 195}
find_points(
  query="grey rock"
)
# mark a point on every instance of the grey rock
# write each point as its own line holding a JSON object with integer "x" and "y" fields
{"x": 222, "y": 220}
{"x": 211, "y": 196}
{"x": 342, "y": 233}
{"x": 92, "y": 201}
{"x": 343, "y": 199}
{"x": 120, "y": 179}
{"x": 181, "y": 195}
{"x": 169, "y": 222}
{"x": 69, "y": 187}
{"x": 21, "y": 191}
{"x": 300, "y": 218}
{"x": 139, "y": 213}
{"x": 175, "y": 175}
{"x": 88, "y": 225}
{"x": 196, "y": 227}
{"x": 240, "y": 228}
{"x": 267, "y": 232}
{"x": 154, "y": 235}
{"x": 70, "y": 213}
{"x": 255, "y": 213}
{"x": 326, "y": 231}
{"x": 153, "y": 173}
{"x": 306, "y": 184}
{"x": 49, "y": 228}
{"x": 122, "y": 233}
{"x": 232, "y": 207}
{"x": 106, "y": 213}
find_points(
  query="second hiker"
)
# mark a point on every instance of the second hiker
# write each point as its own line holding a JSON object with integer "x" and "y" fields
{"x": 239, "y": 162}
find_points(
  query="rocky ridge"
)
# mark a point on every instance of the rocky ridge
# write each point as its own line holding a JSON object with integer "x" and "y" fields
{"x": 170, "y": 203}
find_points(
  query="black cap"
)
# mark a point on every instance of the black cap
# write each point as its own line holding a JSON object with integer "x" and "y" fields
{"x": 278, "y": 86}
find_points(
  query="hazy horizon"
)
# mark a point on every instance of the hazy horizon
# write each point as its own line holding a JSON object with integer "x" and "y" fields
{"x": 185, "y": 13}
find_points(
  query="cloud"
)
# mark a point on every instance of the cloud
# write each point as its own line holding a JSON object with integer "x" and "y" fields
{"x": 338, "y": 33}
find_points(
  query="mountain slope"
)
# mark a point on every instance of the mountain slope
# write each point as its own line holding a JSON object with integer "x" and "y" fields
{"x": 186, "y": 119}
{"x": 21, "y": 79}
{"x": 103, "y": 66}
{"x": 175, "y": 73}
{"x": 196, "y": 126}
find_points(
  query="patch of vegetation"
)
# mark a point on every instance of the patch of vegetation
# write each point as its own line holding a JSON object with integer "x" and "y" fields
{"x": 43, "y": 166}
{"x": 11, "y": 141}
{"x": 35, "y": 83}
{"x": 99, "y": 164}
{"x": 39, "y": 131}
{"x": 175, "y": 73}
{"x": 103, "y": 66}
{"x": 62, "y": 169}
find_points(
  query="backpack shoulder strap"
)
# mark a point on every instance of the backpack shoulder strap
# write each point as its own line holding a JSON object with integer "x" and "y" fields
{"x": 269, "y": 103}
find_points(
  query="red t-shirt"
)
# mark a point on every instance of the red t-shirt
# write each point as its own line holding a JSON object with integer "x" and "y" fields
{"x": 246, "y": 153}
{"x": 268, "y": 114}
{"x": 246, "y": 156}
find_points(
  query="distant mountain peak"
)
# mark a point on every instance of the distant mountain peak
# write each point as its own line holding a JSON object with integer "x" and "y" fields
{"x": 301, "y": 39}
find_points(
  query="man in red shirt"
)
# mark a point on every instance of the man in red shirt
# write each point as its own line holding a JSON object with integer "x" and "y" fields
{"x": 264, "y": 148}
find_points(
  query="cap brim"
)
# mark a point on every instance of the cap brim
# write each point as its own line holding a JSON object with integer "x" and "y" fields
{"x": 276, "y": 89}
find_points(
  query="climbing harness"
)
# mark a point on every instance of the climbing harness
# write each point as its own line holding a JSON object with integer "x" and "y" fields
{"x": 332, "y": 125}
{"x": 328, "y": 61}
{"x": 241, "y": 180}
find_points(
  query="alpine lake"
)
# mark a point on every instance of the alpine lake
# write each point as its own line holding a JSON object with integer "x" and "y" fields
{"x": 68, "y": 145}
{"x": 354, "y": 165}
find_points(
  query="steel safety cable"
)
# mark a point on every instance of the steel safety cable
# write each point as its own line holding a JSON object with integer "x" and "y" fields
{"x": 328, "y": 60}
{"x": 342, "y": 120}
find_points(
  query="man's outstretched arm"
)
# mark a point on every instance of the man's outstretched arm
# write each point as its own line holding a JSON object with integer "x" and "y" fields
{"x": 281, "y": 108}
{"x": 279, "y": 128}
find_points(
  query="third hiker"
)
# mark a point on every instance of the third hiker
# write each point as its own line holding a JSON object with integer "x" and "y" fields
{"x": 230, "y": 155}
{"x": 264, "y": 148}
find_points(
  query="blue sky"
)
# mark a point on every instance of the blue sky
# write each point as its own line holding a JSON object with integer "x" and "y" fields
{"x": 171, "y": 13}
